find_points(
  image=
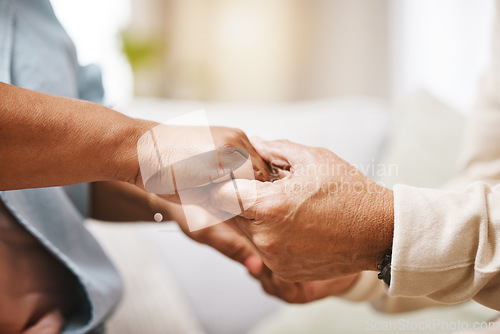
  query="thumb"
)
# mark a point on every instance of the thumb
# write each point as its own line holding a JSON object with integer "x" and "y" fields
{"x": 239, "y": 197}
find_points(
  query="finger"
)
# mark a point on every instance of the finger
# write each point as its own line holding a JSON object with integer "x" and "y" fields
{"x": 261, "y": 168}
{"x": 248, "y": 192}
{"x": 216, "y": 216}
{"x": 50, "y": 323}
{"x": 208, "y": 167}
{"x": 281, "y": 153}
{"x": 274, "y": 160}
{"x": 195, "y": 195}
{"x": 289, "y": 292}
{"x": 223, "y": 237}
{"x": 231, "y": 159}
{"x": 195, "y": 171}
{"x": 279, "y": 174}
{"x": 232, "y": 245}
{"x": 253, "y": 262}
{"x": 170, "y": 198}
{"x": 255, "y": 265}
{"x": 254, "y": 167}
{"x": 265, "y": 278}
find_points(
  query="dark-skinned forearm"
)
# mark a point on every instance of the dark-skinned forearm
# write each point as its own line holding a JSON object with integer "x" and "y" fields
{"x": 47, "y": 140}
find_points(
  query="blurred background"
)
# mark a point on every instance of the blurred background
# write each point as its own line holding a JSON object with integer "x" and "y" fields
{"x": 386, "y": 84}
{"x": 281, "y": 50}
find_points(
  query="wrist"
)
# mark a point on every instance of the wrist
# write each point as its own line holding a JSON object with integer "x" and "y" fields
{"x": 381, "y": 228}
{"x": 123, "y": 164}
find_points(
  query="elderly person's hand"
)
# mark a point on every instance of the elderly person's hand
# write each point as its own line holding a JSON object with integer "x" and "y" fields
{"x": 302, "y": 292}
{"x": 231, "y": 242}
{"x": 322, "y": 219}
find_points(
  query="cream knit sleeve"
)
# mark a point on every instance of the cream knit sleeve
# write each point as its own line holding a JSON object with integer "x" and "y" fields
{"x": 446, "y": 246}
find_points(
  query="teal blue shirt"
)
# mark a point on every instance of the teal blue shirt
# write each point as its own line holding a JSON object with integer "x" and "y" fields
{"x": 36, "y": 53}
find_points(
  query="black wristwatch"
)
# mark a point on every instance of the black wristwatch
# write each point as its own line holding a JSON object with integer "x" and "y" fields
{"x": 385, "y": 269}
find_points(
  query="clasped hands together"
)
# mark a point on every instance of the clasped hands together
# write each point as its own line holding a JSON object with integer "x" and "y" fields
{"x": 312, "y": 221}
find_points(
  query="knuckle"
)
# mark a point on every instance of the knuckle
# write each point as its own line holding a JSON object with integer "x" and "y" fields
{"x": 293, "y": 296}
{"x": 266, "y": 245}
{"x": 232, "y": 136}
{"x": 268, "y": 290}
{"x": 283, "y": 274}
{"x": 289, "y": 275}
{"x": 240, "y": 132}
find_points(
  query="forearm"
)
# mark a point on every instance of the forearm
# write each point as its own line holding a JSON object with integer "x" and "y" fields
{"x": 124, "y": 202}
{"x": 47, "y": 140}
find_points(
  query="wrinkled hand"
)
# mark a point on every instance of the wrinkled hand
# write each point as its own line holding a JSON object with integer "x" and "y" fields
{"x": 230, "y": 241}
{"x": 304, "y": 292}
{"x": 323, "y": 219}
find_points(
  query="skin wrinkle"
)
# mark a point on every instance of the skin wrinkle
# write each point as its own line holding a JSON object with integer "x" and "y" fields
{"x": 45, "y": 132}
{"x": 308, "y": 204}
{"x": 240, "y": 203}
{"x": 311, "y": 225}
{"x": 221, "y": 169}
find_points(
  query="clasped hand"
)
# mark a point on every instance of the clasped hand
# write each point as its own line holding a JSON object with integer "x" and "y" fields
{"x": 321, "y": 220}
{"x": 310, "y": 232}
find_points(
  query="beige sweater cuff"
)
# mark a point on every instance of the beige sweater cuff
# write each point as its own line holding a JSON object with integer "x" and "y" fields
{"x": 446, "y": 245}
{"x": 367, "y": 288}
